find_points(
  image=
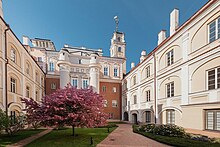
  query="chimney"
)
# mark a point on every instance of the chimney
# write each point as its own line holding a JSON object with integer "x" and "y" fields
{"x": 1, "y": 10}
{"x": 161, "y": 36}
{"x": 132, "y": 65}
{"x": 25, "y": 40}
{"x": 174, "y": 21}
{"x": 143, "y": 55}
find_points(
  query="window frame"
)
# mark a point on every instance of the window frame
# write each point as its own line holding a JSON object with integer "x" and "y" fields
{"x": 114, "y": 103}
{"x": 148, "y": 94}
{"x": 105, "y": 71}
{"x": 135, "y": 99}
{"x": 147, "y": 71}
{"x": 172, "y": 116}
{"x": 13, "y": 82}
{"x": 53, "y": 86}
{"x": 115, "y": 71}
{"x": 13, "y": 55}
{"x": 215, "y": 119}
{"x": 217, "y": 29}
{"x": 170, "y": 94}
{"x": 75, "y": 82}
{"x": 28, "y": 91}
{"x": 170, "y": 57}
{"x": 103, "y": 88}
{"x": 85, "y": 83}
{"x": 216, "y": 78}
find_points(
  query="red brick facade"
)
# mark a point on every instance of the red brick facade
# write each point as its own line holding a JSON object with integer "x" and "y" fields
{"x": 110, "y": 95}
{"x": 49, "y": 88}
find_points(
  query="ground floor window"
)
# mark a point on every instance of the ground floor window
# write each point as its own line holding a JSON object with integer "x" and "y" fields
{"x": 213, "y": 120}
{"x": 170, "y": 116}
{"x": 148, "y": 116}
{"x": 111, "y": 115}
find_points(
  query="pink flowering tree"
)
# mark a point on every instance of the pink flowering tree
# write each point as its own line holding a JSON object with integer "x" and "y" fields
{"x": 68, "y": 106}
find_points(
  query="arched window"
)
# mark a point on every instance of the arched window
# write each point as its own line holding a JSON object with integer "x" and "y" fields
{"x": 119, "y": 49}
{"x": 13, "y": 55}
{"x": 27, "y": 68}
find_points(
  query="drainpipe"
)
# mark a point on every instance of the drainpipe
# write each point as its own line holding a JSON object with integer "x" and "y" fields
{"x": 6, "y": 76}
{"x": 155, "y": 87}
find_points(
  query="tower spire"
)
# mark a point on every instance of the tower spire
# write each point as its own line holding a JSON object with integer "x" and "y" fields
{"x": 1, "y": 10}
{"x": 116, "y": 22}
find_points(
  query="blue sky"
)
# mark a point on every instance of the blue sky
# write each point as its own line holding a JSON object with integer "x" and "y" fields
{"x": 90, "y": 23}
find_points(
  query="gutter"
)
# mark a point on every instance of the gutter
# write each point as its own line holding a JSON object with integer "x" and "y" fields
{"x": 6, "y": 75}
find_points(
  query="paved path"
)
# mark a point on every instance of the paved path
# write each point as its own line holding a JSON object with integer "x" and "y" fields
{"x": 123, "y": 136}
{"x": 29, "y": 139}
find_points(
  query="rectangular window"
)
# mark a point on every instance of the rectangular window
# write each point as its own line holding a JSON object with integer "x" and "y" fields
{"x": 85, "y": 83}
{"x": 13, "y": 55}
{"x": 114, "y": 103}
{"x": 115, "y": 72}
{"x": 51, "y": 67}
{"x": 134, "y": 80}
{"x": 13, "y": 85}
{"x": 28, "y": 91}
{"x": 40, "y": 59}
{"x": 105, "y": 71}
{"x": 114, "y": 89}
{"x": 135, "y": 99}
{"x": 170, "y": 117}
{"x": 75, "y": 82}
{"x": 111, "y": 115}
{"x": 213, "y": 120}
{"x": 170, "y": 89}
{"x": 148, "y": 117}
{"x": 213, "y": 78}
{"x": 148, "y": 95}
{"x": 105, "y": 103}
{"x": 103, "y": 89}
{"x": 214, "y": 30}
{"x": 53, "y": 86}
{"x": 148, "y": 72}
{"x": 36, "y": 95}
{"x": 170, "y": 58}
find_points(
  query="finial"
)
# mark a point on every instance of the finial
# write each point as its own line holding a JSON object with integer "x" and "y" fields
{"x": 117, "y": 22}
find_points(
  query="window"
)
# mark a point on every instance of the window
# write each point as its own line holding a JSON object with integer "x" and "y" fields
{"x": 148, "y": 72}
{"x": 53, "y": 86}
{"x": 214, "y": 78}
{"x": 148, "y": 95}
{"x": 119, "y": 49}
{"x": 36, "y": 77}
{"x": 75, "y": 83}
{"x": 85, "y": 83}
{"x": 105, "y": 71}
{"x": 119, "y": 39}
{"x": 148, "y": 117}
{"x": 36, "y": 95}
{"x": 27, "y": 68}
{"x": 13, "y": 55}
{"x": 135, "y": 99}
{"x": 114, "y": 89}
{"x": 51, "y": 66}
{"x": 170, "y": 116}
{"x": 170, "y": 89}
{"x": 134, "y": 80}
{"x": 39, "y": 59}
{"x": 111, "y": 115}
{"x": 214, "y": 30}
{"x": 213, "y": 120}
{"x": 105, "y": 103}
{"x": 103, "y": 89}
{"x": 170, "y": 58}
{"x": 13, "y": 85}
{"x": 114, "y": 103}
{"x": 27, "y": 91}
{"x": 115, "y": 71}
{"x": 80, "y": 61}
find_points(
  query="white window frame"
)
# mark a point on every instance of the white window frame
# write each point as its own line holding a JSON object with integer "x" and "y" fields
{"x": 51, "y": 66}
{"x": 103, "y": 88}
{"x": 148, "y": 96}
{"x": 114, "y": 103}
{"x": 115, "y": 71}
{"x": 216, "y": 30}
{"x": 105, "y": 103}
{"x": 75, "y": 82}
{"x": 13, "y": 55}
{"x": 28, "y": 89}
{"x": 170, "y": 116}
{"x": 169, "y": 58}
{"x": 114, "y": 89}
{"x": 13, "y": 85}
{"x": 216, "y": 78}
{"x": 53, "y": 85}
{"x": 106, "y": 72}
{"x": 148, "y": 71}
{"x": 85, "y": 83}
{"x": 170, "y": 91}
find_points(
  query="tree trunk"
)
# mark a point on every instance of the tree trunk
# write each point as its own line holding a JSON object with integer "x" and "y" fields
{"x": 73, "y": 130}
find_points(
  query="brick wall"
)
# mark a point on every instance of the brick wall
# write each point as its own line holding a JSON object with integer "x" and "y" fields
{"x": 50, "y": 81}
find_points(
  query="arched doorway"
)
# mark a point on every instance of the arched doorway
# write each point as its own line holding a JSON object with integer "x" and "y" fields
{"x": 134, "y": 118}
{"x": 125, "y": 116}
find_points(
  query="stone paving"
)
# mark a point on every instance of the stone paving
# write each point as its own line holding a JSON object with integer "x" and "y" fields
{"x": 123, "y": 136}
{"x": 29, "y": 139}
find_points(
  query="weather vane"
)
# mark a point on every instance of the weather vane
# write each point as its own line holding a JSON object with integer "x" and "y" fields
{"x": 117, "y": 22}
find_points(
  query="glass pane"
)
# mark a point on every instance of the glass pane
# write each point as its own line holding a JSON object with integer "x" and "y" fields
{"x": 210, "y": 120}
{"x": 212, "y": 31}
{"x": 219, "y": 27}
{"x": 218, "y": 120}
{"x": 211, "y": 79}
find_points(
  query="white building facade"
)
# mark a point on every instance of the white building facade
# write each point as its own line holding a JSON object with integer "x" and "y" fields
{"x": 178, "y": 82}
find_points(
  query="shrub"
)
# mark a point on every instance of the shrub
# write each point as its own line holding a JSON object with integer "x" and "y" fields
{"x": 164, "y": 130}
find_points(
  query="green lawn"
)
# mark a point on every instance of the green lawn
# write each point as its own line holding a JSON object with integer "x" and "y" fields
{"x": 177, "y": 141}
{"x": 64, "y": 138}
{"x": 5, "y": 139}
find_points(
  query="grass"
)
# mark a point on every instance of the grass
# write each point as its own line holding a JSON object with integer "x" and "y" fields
{"x": 6, "y": 140}
{"x": 59, "y": 138}
{"x": 177, "y": 141}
